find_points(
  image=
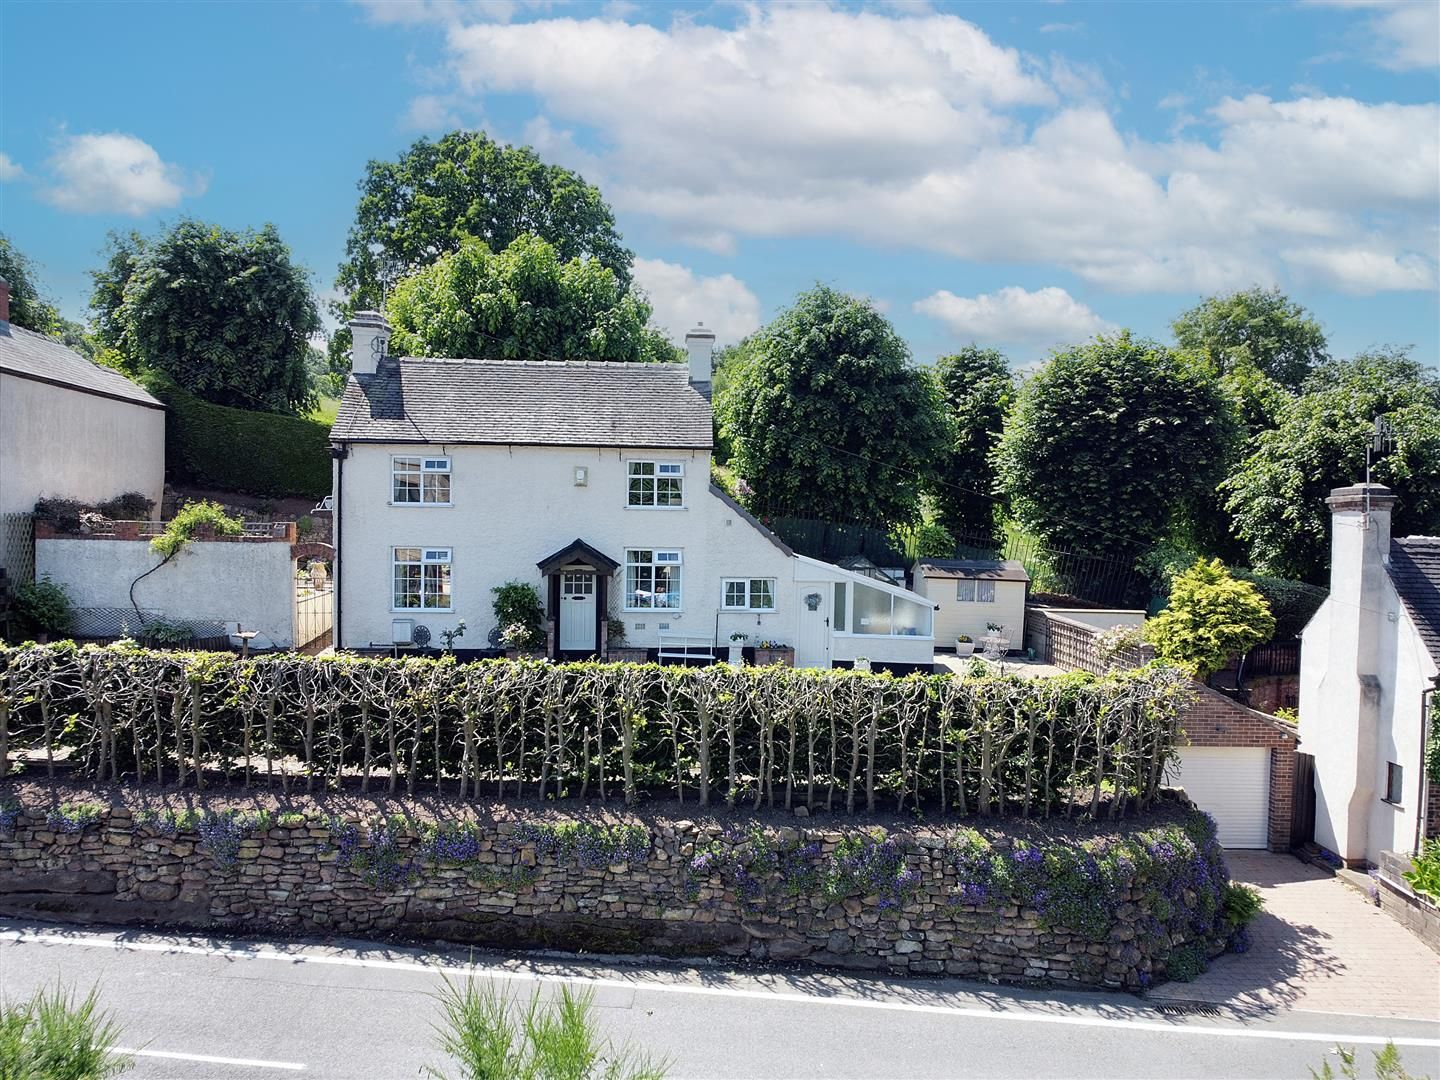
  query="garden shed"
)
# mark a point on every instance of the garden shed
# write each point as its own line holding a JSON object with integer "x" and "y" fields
{"x": 971, "y": 595}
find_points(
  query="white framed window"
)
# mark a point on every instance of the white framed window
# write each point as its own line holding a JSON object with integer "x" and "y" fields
{"x": 971, "y": 591}
{"x": 421, "y": 579}
{"x": 652, "y": 579}
{"x": 882, "y": 614}
{"x": 657, "y": 484}
{"x": 748, "y": 594}
{"x": 416, "y": 481}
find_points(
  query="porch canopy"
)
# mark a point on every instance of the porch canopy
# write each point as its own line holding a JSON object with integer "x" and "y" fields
{"x": 575, "y": 554}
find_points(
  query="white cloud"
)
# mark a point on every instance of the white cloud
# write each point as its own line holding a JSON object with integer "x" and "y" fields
{"x": 115, "y": 173}
{"x": 923, "y": 132}
{"x": 1406, "y": 33}
{"x": 430, "y": 112}
{"x": 1363, "y": 270}
{"x": 449, "y": 11}
{"x": 10, "y": 169}
{"x": 1015, "y": 316}
{"x": 1061, "y": 28}
{"x": 681, "y": 299}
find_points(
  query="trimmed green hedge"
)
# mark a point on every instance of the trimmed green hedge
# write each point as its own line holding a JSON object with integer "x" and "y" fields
{"x": 774, "y": 735}
{"x": 258, "y": 453}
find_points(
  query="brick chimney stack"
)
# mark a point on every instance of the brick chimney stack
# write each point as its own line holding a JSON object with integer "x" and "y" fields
{"x": 4, "y": 300}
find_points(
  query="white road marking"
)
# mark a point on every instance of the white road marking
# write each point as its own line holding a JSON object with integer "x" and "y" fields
{"x": 249, "y": 1063}
{"x": 414, "y": 966}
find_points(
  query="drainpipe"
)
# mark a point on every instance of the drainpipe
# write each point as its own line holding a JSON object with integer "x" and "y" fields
{"x": 1426, "y": 696}
{"x": 338, "y": 452}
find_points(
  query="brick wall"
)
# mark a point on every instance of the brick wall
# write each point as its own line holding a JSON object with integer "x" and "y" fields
{"x": 1216, "y": 720}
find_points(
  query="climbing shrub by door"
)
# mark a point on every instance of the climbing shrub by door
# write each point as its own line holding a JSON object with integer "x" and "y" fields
{"x": 845, "y": 741}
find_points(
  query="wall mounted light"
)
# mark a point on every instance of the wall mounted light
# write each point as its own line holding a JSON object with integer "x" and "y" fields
{"x": 582, "y": 475}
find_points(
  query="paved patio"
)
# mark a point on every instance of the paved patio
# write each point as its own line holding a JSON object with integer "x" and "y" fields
{"x": 1318, "y": 946}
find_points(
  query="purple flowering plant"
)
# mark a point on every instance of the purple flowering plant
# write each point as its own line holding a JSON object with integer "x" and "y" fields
{"x": 9, "y": 815}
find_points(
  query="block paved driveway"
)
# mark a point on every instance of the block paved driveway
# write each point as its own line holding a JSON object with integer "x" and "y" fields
{"x": 1319, "y": 946}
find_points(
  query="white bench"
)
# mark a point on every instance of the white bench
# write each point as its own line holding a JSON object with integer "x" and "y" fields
{"x": 685, "y": 647}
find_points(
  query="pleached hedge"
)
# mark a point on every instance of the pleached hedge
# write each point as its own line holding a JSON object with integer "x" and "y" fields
{"x": 749, "y": 737}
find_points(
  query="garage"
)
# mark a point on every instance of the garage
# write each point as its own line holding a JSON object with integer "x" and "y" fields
{"x": 1232, "y": 785}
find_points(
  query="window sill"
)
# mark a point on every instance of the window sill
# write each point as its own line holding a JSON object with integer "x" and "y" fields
{"x": 422, "y": 611}
{"x": 748, "y": 610}
{"x": 419, "y": 505}
{"x": 629, "y": 507}
{"x": 652, "y": 611}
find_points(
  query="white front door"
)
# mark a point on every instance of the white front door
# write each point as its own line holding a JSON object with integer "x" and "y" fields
{"x": 812, "y": 639}
{"x": 577, "y": 611}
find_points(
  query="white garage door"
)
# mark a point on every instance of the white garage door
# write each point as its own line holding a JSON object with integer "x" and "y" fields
{"x": 1232, "y": 784}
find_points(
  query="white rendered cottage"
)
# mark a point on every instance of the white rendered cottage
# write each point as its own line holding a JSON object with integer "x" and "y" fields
{"x": 592, "y": 482}
{"x": 1368, "y": 671}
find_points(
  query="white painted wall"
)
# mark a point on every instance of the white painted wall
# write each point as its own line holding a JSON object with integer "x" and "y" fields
{"x": 1362, "y": 670}
{"x": 954, "y": 618}
{"x": 62, "y": 442}
{"x": 514, "y": 506}
{"x": 247, "y": 582}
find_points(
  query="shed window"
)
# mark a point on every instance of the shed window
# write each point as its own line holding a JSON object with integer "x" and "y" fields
{"x": 417, "y": 480}
{"x": 973, "y": 591}
{"x": 656, "y": 483}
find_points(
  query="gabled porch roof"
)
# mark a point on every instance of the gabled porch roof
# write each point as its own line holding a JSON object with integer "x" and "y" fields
{"x": 577, "y": 551}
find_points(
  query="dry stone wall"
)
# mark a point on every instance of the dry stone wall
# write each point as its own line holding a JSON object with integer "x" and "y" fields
{"x": 677, "y": 888}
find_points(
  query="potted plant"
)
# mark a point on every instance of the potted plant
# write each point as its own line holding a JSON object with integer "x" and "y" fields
{"x": 737, "y": 649}
{"x": 44, "y": 607}
{"x": 520, "y": 641}
{"x": 520, "y": 616}
{"x": 964, "y": 645}
{"x": 860, "y": 663}
{"x": 774, "y": 652}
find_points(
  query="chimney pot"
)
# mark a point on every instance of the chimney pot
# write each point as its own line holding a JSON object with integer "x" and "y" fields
{"x": 700, "y": 347}
{"x": 369, "y": 341}
{"x": 4, "y": 300}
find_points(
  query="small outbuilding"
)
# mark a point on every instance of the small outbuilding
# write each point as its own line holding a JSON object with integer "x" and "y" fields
{"x": 971, "y": 595}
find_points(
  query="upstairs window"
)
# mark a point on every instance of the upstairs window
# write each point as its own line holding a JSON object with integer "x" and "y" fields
{"x": 971, "y": 591}
{"x": 422, "y": 578}
{"x": 749, "y": 594}
{"x": 417, "y": 480}
{"x": 657, "y": 484}
{"x": 652, "y": 579}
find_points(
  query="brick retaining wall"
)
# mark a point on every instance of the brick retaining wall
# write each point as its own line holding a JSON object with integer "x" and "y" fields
{"x": 288, "y": 880}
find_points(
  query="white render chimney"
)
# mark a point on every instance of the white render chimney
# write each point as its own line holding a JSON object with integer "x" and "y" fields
{"x": 700, "y": 345}
{"x": 369, "y": 341}
{"x": 1348, "y": 662}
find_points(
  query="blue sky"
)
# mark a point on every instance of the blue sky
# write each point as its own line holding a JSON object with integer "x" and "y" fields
{"x": 1022, "y": 175}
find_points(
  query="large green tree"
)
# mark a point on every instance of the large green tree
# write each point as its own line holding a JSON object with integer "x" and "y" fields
{"x": 827, "y": 418}
{"x": 1277, "y": 495}
{"x": 977, "y": 388}
{"x": 523, "y": 303}
{"x": 28, "y": 307}
{"x": 467, "y": 186}
{"x": 1111, "y": 442}
{"x": 224, "y": 314}
{"x": 1259, "y": 327}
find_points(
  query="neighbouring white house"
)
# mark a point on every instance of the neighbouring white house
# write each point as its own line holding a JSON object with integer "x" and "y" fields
{"x": 590, "y": 481}
{"x": 972, "y": 595}
{"x": 69, "y": 428}
{"x": 1368, "y": 669}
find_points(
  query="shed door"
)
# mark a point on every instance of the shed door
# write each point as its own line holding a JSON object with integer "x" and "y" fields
{"x": 1232, "y": 785}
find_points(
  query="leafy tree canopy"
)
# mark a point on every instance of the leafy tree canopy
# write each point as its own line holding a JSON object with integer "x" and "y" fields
{"x": 224, "y": 314}
{"x": 1111, "y": 441}
{"x": 522, "y": 303}
{"x": 1277, "y": 495}
{"x": 1261, "y": 327}
{"x": 977, "y": 389}
{"x": 466, "y": 187}
{"x": 28, "y": 308}
{"x": 1211, "y": 617}
{"x": 828, "y": 419}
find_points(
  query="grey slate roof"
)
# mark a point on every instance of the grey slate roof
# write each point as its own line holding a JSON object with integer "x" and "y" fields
{"x": 35, "y": 356}
{"x": 1415, "y": 570}
{"x": 989, "y": 569}
{"x": 525, "y": 402}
